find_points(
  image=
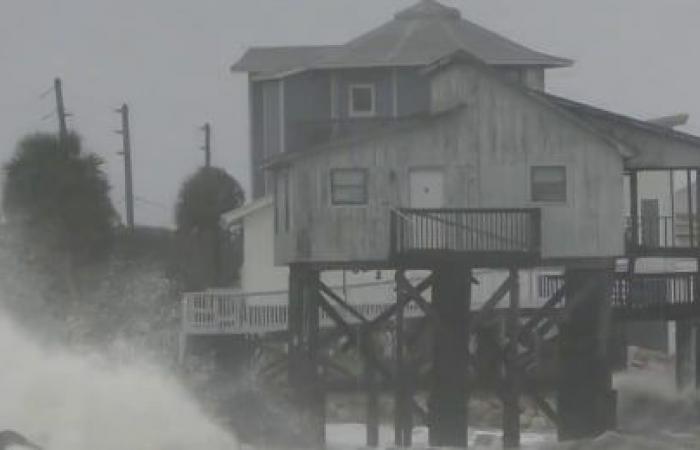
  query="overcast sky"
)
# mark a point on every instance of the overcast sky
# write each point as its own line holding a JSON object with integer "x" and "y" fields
{"x": 169, "y": 60}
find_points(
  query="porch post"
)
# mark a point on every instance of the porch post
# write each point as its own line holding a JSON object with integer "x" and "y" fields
{"x": 447, "y": 404}
{"x": 634, "y": 209}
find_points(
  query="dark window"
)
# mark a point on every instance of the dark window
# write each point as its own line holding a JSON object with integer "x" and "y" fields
{"x": 349, "y": 186}
{"x": 548, "y": 184}
{"x": 362, "y": 100}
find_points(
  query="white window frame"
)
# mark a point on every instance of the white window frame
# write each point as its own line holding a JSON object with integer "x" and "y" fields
{"x": 365, "y": 186}
{"x": 351, "y": 104}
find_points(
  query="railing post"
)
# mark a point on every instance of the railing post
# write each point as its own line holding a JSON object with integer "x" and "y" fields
{"x": 392, "y": 234}
{"x": 634, "y": 210}
{"x": 537, "y": 230}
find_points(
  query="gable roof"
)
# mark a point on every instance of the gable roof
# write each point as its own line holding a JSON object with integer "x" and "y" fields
{"x": 416, "y": 36}
{"x": 268, "y": 61}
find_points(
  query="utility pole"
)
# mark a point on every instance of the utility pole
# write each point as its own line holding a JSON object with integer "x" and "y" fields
{"x": 207, "y": 144}
{"x": 126, "y": 152}
{"x": 60, "y": 110}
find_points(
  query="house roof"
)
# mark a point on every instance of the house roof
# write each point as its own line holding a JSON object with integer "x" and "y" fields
{"x": 424, "y": 119}
{"x": 416, "y": 36}
{"x": 237, "y": 214}
{"x": 587, "y": 112}
{"x": 268, "y": 61}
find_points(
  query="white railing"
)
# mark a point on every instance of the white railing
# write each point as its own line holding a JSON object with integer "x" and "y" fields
{"x": 230, "y": 312}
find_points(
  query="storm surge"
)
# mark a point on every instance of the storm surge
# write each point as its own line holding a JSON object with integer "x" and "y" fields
{"x": 63, "y": 400}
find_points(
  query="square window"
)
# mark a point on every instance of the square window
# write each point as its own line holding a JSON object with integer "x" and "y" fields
{"x": 548, "y": 184}
{"x": 362, "y": 100}
{"x": 349, "y": 186}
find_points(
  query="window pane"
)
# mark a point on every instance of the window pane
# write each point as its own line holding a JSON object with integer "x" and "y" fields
{"x": 549, "y": 184}
{"x": 362, "y": 100}
{"x": 548, "y": 174}
{"x": 353, "y": 195}
{"x": 349, "y": 177}
{"x": 349, "y": 186}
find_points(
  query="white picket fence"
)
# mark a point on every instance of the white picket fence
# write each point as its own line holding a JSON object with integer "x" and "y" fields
{"x": 230, "y": 312}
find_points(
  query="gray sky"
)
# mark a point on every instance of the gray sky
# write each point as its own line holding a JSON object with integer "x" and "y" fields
{"x": 169, "y": 60}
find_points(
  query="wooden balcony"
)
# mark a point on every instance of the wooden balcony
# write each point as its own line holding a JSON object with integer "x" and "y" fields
{"x": 648, "y": 296}
{"x": 677, "y": 235}
{"x": 485, "y": 237}
{"x": 656, "y": 296}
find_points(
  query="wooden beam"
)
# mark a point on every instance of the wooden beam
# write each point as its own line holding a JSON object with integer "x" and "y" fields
{"x": 491, "y": 303}
{"x": 542, "y": 313}
{"x": 325, "y": 290}
{"x": 401, "y": 302}
{"x": 413, "y": 294}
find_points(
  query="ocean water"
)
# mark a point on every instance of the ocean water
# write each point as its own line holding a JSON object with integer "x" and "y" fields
{"x": 63, "y": 400}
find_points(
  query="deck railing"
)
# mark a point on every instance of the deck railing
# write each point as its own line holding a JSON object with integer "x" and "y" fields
{"x": 220, "y": 312}
{"x": 643, "y": 290}
{"x": 653, "y": 290}
{"x": 465, "y": 230}
{"x": 681, "y": 231}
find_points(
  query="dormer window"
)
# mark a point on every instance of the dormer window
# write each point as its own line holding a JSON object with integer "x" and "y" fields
{"x": 362, "y": 100}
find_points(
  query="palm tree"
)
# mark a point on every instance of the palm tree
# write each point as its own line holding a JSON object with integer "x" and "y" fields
{"x": 203, "y": 198}
{"x": 57, "y": 198}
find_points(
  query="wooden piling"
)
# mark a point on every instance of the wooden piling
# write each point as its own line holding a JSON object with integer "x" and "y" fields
{"x": 447, "y": 405}
{"x": 586, "y": 401}
{"x": 403, "y": 418}
{"x": 372, "y": 428}
{"x": 684, "y": 353}
{"x": 304, "y": 373}
{"x": 511, "y": 406}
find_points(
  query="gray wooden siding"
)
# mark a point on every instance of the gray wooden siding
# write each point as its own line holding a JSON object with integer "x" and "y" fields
{"x": 256, "y": 150}
{"x": 413, "y": 91}
{"x": 379, "y": 78}
{"x": 271, "y": 118}
{"x": 486, "y": 150}
{"x": 307, "y": 107}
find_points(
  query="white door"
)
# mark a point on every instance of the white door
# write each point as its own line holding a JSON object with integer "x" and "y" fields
{"x": 426, "y": 188}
